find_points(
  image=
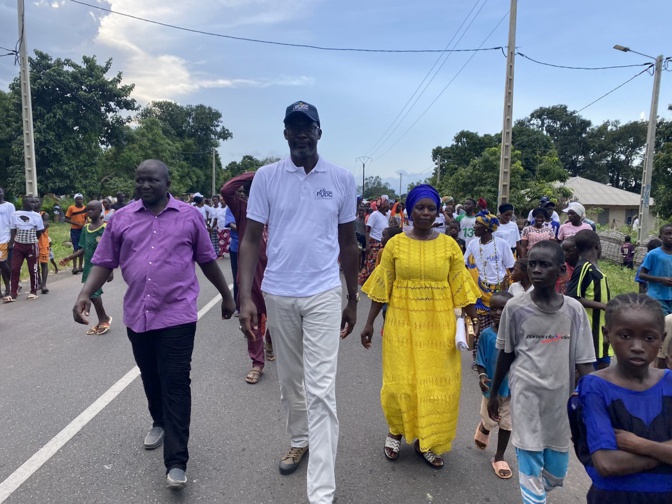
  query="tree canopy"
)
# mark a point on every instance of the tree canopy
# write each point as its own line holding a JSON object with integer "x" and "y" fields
{"x": 90, "y": 134}
{"x": 552, "y": 144}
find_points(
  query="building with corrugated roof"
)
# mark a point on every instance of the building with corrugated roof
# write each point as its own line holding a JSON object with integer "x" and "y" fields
{"x": 614, "y": 203}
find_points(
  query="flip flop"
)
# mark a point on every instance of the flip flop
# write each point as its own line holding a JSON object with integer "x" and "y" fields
{"x": 93, "y": 330}
{"x": 254, "y": 375}
{"x": 32, "y": 297}
{"x": 501, "y": 466}
{"x": 8, "y": 299}
{"x": 104, "y": 327}
{"x": 481, "y": 438}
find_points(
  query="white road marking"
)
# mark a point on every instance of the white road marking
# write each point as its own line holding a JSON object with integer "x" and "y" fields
{"x": 30, "y": 466}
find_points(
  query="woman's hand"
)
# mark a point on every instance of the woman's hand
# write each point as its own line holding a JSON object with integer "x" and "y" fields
{"x": 367, "y": 334}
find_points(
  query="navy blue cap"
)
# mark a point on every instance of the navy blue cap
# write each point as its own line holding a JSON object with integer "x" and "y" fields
{"x": 303, "y": 108}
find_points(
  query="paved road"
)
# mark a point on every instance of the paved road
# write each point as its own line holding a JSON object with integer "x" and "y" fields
{"x": 50, "y": 372}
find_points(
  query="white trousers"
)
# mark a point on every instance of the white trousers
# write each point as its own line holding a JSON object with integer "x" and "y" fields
{"x": 306, "y": 336}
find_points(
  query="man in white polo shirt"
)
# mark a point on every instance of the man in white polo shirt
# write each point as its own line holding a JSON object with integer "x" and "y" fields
{"x": 309, "y": 206}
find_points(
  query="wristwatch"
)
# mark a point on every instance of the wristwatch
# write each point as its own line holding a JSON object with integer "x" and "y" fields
{"x": 354, "y": 298}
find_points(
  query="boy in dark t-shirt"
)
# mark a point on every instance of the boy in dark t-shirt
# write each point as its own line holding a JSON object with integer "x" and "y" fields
{"x": 628, "y": 253}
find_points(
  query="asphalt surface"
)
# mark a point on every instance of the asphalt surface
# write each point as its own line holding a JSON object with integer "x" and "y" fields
{"x": 51, "y": 371}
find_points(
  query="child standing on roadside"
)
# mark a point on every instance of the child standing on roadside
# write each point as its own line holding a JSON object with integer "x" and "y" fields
{"x": 628, "y": 253}
{"x": 522, "y": 282}
{"x": 589, "y": 287}
{"x": 454, "y": 232}
{"x": 26, "y": 228}
{"x": 653, "y": 244}
{"x": 657, "y": 270}
{"x": 543, "y": 336}
{"x": 621, "y": 421}
{"x": 88, "y": 243}
{"x": 486, "y": 361}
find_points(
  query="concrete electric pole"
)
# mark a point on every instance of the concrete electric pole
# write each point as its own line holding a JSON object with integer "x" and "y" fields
{"x": 26, "y": 106}
{"x": 645, "y": 220}
{"x": 213, "y": 172}
{"x": 363, "y": 160}
{"x": 505, "y": 159}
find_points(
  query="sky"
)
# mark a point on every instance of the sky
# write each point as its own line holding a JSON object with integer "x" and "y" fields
{"x": 367, "y": 101}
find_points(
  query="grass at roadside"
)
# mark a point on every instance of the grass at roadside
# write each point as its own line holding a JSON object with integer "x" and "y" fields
{"x": 60, "y": 235}
{"x": 621, "y": 280}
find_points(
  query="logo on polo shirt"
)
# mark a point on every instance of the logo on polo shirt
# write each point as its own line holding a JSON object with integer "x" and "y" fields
{"x": 324, "y": 194}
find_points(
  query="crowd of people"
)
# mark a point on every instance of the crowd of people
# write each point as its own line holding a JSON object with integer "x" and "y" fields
{"x": 543, "y": 317}
{"x": 525, "y": 295}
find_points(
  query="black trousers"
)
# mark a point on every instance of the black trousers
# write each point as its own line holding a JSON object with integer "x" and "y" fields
{"x": 164, "y": 359}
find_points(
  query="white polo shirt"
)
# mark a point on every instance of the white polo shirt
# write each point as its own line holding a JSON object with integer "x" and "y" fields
{"x": 303, "y": 213}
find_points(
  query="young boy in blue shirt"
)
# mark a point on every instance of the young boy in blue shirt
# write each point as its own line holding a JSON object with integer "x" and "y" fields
{"x": 486, "y": 362}
{"x": 657, "y": 270}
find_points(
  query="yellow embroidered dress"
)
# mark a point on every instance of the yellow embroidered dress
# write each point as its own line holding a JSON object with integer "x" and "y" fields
{"x": 422, "y": 281}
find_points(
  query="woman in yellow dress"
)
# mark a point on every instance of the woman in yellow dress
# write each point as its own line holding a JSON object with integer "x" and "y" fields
{"x": 423, "y": 279}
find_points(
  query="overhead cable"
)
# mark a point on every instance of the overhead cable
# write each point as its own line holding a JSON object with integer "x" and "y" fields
{"x": 578, "y": 67}
{"x": 646, "y": 70}
{"x": 385, "y": 137}
{"x": 272, "y": 42}
{"x": 444, "y": 89}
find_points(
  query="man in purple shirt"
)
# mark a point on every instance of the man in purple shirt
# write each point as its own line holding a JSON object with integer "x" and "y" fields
{"x": 155, "y": 241}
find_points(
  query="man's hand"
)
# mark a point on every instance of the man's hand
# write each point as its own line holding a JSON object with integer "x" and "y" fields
{"x": 493, "y": 407}
{"x": 667, "y": 281}
{"x": 348, "y": 319}
{"x": 483, "y": 382}
{"x": 367, "y": 334}
{"x": 248, "y": 319}
{"x": 228, "y": 306}
{"x": 81, "y": 310}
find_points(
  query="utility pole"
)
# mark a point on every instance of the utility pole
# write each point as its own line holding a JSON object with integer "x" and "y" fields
{"x": 26, "y": 106}
{"x": 505, "y": 158}
{"x": 213, "y": 172}
{"x": 363, "y": 160}
{"x": 400, "y": 174}
{"x": 438, "y": 172}
{"x": 644, "y": 209}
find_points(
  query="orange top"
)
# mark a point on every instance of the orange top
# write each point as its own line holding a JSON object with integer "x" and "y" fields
{"x": 77, "y": 216}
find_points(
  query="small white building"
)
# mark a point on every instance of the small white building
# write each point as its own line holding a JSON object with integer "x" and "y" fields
{"x": 615, "y": 204}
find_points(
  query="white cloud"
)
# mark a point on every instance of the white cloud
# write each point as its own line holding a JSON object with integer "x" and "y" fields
{"x": 144, "y": 48}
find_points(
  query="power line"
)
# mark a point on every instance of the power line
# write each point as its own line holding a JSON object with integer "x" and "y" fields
{"x": 433, "y": 76}
{"x": 373, "y": 149}
{"x": 272, "y": 42}
{"x": 578, "y": 67}
{"x": 444, "y": 89}
{"x": 618, "y": 87}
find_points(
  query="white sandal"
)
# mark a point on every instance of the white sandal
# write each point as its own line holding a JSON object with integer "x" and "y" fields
{"x": 392, "y": 444}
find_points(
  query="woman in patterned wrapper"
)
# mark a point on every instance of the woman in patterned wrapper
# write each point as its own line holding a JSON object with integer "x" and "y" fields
{"x": 423, "y": 279}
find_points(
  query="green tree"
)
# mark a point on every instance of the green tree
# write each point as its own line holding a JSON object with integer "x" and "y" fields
{"x": 532, "y": 144}
{"x": 77, "y": 112}
{"x": 197, "y": 130}
{"x": 146, "y": 141}
{"x": 246, "y": 164}
{"x": 616, "y": 154}
{"x": 375, "y": 187}
{"x": 567, "y": 130}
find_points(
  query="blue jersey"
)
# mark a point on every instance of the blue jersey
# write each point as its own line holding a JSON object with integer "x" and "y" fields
{"x": 486, "y": 356}
{"x": 659, "y": 264}
{"x": 603, "y": 407}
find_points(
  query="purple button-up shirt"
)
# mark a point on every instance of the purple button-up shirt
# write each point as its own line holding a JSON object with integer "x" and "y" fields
{"x": 156, "y": 254}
